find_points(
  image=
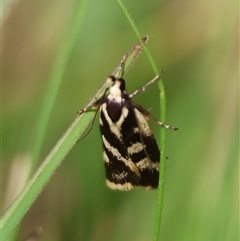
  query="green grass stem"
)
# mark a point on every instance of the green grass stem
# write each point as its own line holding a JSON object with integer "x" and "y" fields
{"x": 163, "y": 131}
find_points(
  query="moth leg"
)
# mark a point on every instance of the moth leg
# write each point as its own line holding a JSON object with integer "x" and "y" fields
{"x": 94, "y": 106}
{"x": 148, "y": 115}
{"x": 146, "y": 85}
{"x": 163, "y": 124}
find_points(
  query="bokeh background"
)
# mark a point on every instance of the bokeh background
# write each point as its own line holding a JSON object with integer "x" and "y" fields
{"x": 196, "y": 43}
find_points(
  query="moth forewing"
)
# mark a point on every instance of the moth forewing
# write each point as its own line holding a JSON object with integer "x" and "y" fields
{"x": 131, "y": 154}
{"x": 152, "y": 156}
{"x": 121, "y": 172}
{"x": 149, "y": 157}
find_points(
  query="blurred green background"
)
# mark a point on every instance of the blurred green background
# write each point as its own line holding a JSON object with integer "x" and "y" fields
{"x": 196, "y": 44}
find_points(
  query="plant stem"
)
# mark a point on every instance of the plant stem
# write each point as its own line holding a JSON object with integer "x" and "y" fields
{"x": 159, "y": 207}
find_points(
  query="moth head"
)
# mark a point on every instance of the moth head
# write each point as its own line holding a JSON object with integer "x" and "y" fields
{"x": 117, "y": 89}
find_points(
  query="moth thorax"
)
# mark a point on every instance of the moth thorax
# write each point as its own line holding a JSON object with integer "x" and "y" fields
{"x": 115, "y": 93}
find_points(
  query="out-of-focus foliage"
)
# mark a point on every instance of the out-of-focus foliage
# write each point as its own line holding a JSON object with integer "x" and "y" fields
{"x": 196, "y": 44}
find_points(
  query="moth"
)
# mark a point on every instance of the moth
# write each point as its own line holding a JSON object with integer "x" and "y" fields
{"x": 131, "y": 154}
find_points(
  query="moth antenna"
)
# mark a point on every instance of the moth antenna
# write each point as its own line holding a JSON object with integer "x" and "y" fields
{"x": 131, "y": 56}
{"x": 146, "y": 85}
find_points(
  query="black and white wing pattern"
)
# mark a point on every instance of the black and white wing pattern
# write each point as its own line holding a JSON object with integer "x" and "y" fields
{"x": 131, "y": 154}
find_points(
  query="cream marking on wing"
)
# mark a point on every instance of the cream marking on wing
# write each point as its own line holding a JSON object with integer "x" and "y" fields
{"x": 123, "y": 187}
{"x": 105, "y": 157}
{"x": 118, "y": 155}
{"x": 147, "y": 164}
{"x": 120, "y": 176}
{"x": 135, "y": 130}
{"x": 135, "y": 148}
{"x": 115, "y": 127}
{"x": 143, "y": 124}
{"x": 100, "y": 121}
